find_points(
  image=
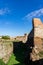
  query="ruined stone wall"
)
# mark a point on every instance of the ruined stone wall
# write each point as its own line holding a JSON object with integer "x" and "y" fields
{"x": 6, "y": 49}
{"x": 38, "y": 32}
{"x": 21, "y": 38}
{"x": 38, "y": 40}
{"x": 38, "y": 28}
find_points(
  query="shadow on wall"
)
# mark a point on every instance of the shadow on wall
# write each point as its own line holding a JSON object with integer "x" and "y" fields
{"x": 22, "y": 51}
{"x": 19, "y": 51}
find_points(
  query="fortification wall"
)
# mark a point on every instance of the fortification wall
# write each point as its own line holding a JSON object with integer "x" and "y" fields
{"x": 38, "y": 28}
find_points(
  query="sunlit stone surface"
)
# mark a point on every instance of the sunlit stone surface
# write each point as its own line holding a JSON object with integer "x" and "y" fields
{"x": 6, "y": 49}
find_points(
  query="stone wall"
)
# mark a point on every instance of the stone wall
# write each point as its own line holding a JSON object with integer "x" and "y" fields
{"x": 21, "y": 38}
{"x": 38, "y": 28}
{"x": 37, "y": 34}
{"x": 6, "y": 49}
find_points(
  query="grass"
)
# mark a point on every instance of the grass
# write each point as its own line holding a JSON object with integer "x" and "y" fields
{"x": 41, "y": 54}
{"x": 18, "y": 57}
{"x": 1, "y": 62}
{"x": 12, "y": 60}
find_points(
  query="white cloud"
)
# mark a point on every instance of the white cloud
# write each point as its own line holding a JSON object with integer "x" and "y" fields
{"x": 36, "y": 13}
{"x": 4, "y": 11}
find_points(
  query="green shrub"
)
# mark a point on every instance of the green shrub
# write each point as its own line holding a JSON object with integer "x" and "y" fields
{"x": 6, "y": 37}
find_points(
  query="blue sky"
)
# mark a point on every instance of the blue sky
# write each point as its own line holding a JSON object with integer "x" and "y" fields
{"x": 16, "y": 16}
